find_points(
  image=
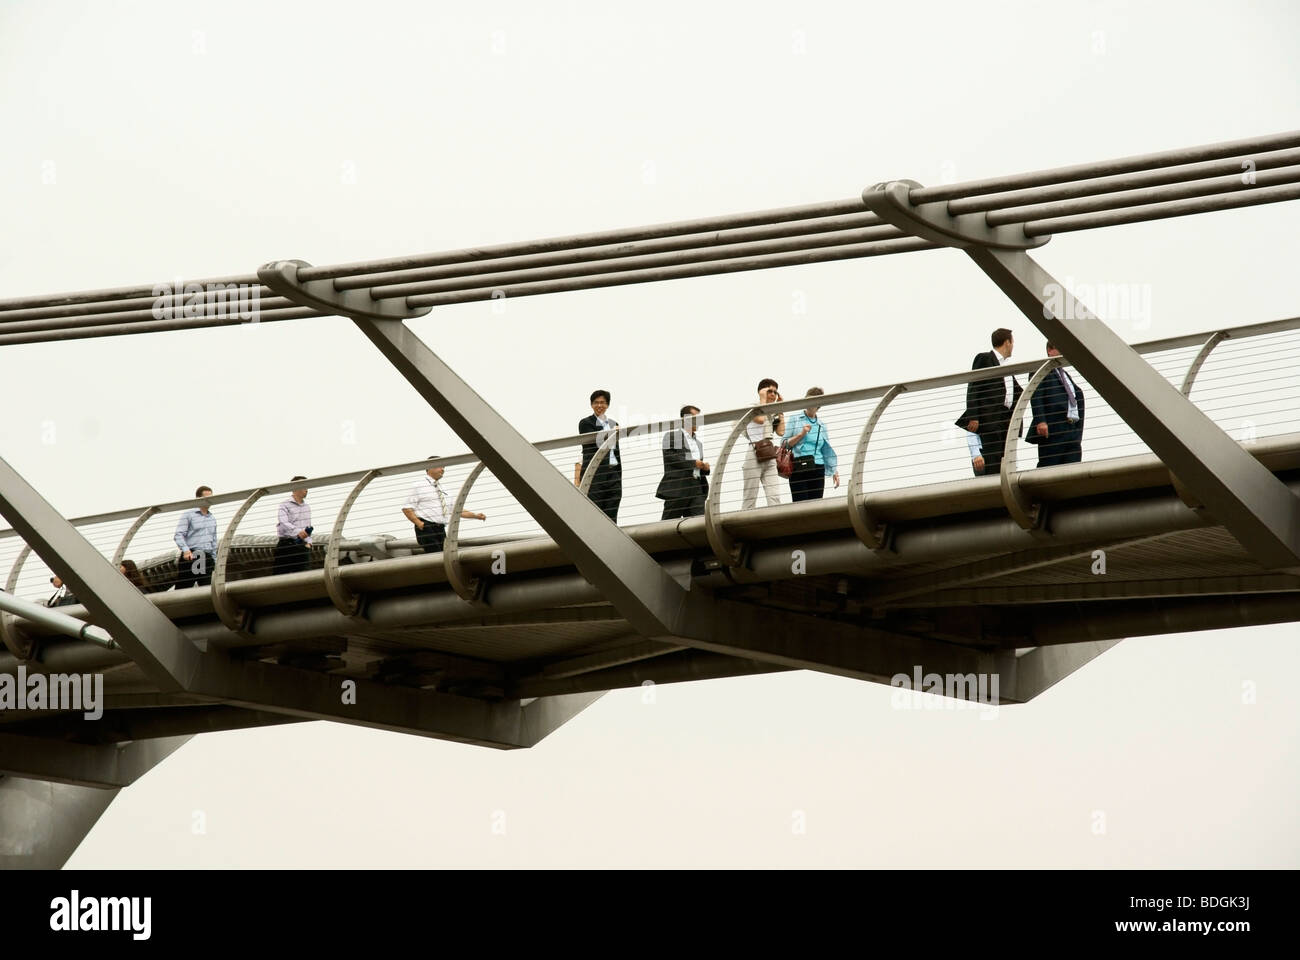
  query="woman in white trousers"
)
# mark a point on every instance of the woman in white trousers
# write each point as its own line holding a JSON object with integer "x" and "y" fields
{"x": 757, "y": 471}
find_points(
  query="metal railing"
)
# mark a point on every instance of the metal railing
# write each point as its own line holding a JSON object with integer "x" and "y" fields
{"x": 887, "y": 437}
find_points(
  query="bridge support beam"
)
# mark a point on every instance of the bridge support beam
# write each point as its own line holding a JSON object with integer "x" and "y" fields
{"x": 651, "y": 601}
{"x": 1240, "y": 492}
{"x": 161, "y": 650}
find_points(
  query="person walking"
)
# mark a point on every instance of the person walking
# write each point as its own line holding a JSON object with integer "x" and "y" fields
{"x": 814, "y": 457}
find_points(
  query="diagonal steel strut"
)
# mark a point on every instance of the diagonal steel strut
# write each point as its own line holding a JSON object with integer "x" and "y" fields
{"x": 637, "y": 586}
{"x": 1239, "y": 491}
{"x": 160, "y": 649}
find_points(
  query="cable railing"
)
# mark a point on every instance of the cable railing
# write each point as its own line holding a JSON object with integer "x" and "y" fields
{"x": 1142, "y": 188}
{"x": 902, "y": 436}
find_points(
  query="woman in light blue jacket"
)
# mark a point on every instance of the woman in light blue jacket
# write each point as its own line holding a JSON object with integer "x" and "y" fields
{"x": 814, "y": 458}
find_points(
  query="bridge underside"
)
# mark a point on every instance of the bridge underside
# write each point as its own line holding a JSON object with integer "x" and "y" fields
{"x": 958, "y": 588}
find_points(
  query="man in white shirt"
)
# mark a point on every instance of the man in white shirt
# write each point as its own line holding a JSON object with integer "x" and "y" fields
{"x": 988, "y": 407}
{"x": 428, "y": 507}
{"x": 606, "y": 490}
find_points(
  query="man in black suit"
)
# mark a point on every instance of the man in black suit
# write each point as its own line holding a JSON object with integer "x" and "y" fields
{"x": 685, "y": 484}
{"x": 1057, "y": 427}
{"x": 988, "y": 407}
{"x": 607, "y": 485}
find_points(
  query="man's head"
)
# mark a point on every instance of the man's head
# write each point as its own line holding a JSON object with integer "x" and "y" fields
{"x": 1002, "y": 341}
{"x": 599, "y": 402}
{"x": 1051, "y": 349}
{"x": 202, "y": 493}
{"x": 436, "y": 472}
{"x": 768, "y": 390}
{"x": 299, "y": 493}
{"x": 57, "y": 581}
{"x": 689, "y": 412}
{"x": 814, "y": 392}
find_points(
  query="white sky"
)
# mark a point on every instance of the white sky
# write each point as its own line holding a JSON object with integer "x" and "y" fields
{"x": 145, "y": 141}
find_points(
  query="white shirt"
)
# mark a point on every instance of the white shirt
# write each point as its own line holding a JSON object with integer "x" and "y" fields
{"x": 612, "y": 459}
{"x": 428, "y": 500}
{"x": 757, "y": 431}
{"x": 1006, "y": 398}
{"x": 696, "y": 448}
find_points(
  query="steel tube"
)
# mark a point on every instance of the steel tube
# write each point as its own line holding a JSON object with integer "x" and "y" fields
{"x": 1128, "y": 181}
{"x": 109, "y": 293}
{"x": 1134, "y": 164}
{"x": 1161, "y": 211}
{"x": 507, "y": 278}
{"x": 834, "y": 208}
{"x": 1151, "y": 195}
{"x": 117, "y": 306}
{"x": 855, "y": 221}
{"x": 852, "y": 251}
{"x": 150, "y": 326}
{"x": 58, "y": 622}
{"x": 273, "y": 304}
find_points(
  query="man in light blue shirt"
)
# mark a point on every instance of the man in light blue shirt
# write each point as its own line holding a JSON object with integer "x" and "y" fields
{"x": 196, "y": 535}
{"x": 814, "y": 457}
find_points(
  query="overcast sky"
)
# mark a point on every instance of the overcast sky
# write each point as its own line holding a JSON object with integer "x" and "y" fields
{"x": 151, "y": 140}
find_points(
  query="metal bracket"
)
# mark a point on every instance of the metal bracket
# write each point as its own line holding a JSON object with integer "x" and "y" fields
{"x": 470, "y": 589}
{"x": 725, "y": 548}
{"x": 597, "y": 459}
{"x": 869, "y": 530}
{"x": 231, "y": 614}
{"x": 15, "y": 641}
{"x": 282, "y": 277}
{"x": 931, "y": 221}
{"x": 1189, "y": 379}
{"x": 130, "y": 534}
{"x": 1028, "y": 514}
{"x": 344, "y": 600}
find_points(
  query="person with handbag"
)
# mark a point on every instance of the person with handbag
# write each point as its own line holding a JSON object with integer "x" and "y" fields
{"x": 813, "y": 457}
{"x": 760, "y": 458}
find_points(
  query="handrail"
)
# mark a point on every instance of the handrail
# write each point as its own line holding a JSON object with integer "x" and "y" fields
{"x": 723, "y": 416}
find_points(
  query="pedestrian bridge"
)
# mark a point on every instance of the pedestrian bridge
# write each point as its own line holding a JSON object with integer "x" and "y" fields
{"x": 910, "y": 562}
{"x": 1181, "y": 516}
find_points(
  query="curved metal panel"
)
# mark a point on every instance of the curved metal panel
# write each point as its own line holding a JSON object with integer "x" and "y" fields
{"x": 468, "y": 588}
{"x": 869, "y": 530}
{"x": 140, "y": 521}
{"x": 724, "y": 547}
{"x": 229, "y": 613}
{"x": 597, "y": 459}
{"x": 1199, "y": 360}
{"x": 344, "y": 600}
{"x": 14, "y": 640}
{"x": 1026, "y": 512}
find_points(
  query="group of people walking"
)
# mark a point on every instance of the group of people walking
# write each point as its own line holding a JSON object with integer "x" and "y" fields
{"x": 801, "y": 441}
{"x": 796, "y": 448}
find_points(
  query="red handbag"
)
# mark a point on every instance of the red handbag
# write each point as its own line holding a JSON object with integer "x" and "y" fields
{"x": 785, "y": 461}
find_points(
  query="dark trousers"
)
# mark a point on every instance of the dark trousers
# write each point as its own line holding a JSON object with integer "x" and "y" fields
{"x": 607, "y": 490}
{"x": 1064, "y": 444}
{"x": 993, "y": 441}
{"x": 808, "y": 482}
{"x": 432, "y": 537}
{"x": 684, "y": 507}
{"x": 291, "y": 555}
{"x": 199, "y": 570}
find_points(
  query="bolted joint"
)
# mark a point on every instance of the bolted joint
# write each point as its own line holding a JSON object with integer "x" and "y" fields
{"x": 931, "y": 221}
{"x": 282, "y": 277}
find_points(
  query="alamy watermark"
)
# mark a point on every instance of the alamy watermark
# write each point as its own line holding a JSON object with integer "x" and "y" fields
{"x": 53, "y": 691}
{"x": 1113, "y": 302}
{"x": 232, "y": 301}
{"x": 953, "y": 691}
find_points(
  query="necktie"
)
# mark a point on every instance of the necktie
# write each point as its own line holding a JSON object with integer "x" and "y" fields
{"x": 442, "y": 500}
{"x": 1069, "y": 387}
